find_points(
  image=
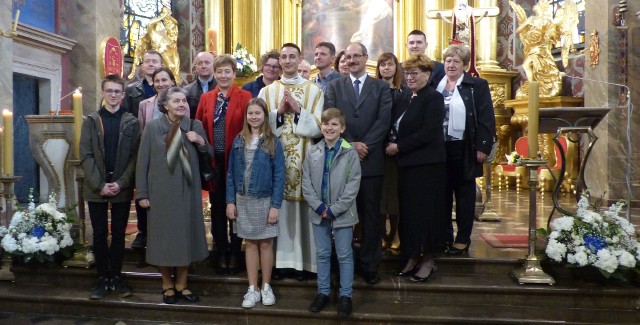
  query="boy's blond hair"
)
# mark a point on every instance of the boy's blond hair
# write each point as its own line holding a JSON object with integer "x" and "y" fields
{"x": 331, "y": 113}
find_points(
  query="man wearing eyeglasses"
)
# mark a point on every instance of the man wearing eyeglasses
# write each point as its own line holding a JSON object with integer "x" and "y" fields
{"x": 108, "y": 149}
{"x": 366, "y": 104}
{"x": 270, "y": 73}
{"x": 204, "y": 82}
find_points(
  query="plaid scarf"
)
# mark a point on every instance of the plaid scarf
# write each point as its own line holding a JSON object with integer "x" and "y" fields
{"x": 176, "y": 151}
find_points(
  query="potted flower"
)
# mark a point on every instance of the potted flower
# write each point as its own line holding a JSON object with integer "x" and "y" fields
{"x": 245, "y": 61}
{"x": 604, "y": 241}
{"x": 38, "y": 233}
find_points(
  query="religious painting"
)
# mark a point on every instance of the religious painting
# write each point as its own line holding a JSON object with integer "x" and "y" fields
{"x": 341, "y": 22}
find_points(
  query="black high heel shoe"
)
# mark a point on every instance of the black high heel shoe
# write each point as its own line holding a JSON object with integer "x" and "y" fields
{"x": 458, "y": 251}
{"x": 416, "y": 278}
{"x": 410, "y": 272}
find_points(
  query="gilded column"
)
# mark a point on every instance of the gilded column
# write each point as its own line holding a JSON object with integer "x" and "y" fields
{"x": 486, "y": 37}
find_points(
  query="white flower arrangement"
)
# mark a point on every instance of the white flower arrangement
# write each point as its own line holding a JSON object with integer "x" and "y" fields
{"x": 38, "y": 233}
{"x": 607, "y": 242}
{"x": 512, "y": 158}
{"x": 245, "y": 61}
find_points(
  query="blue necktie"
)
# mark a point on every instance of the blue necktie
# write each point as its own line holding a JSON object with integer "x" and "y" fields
{"x": 356, "y": 88}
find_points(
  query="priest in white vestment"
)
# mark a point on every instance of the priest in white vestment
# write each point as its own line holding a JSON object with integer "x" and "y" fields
{"x": 295, "y": 106}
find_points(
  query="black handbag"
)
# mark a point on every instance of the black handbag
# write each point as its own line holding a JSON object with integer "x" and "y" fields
{"x": 207, "y": 173}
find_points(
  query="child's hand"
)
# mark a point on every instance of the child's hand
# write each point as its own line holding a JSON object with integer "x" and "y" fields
{"x": 232, "y": 212}
{"x": 273, "y": 216}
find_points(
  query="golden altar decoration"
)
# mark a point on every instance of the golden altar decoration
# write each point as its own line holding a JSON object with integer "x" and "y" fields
{"x": 520, "y": 119}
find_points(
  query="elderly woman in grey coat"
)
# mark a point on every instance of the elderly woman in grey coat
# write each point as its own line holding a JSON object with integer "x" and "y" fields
{"x": 168, "y": 184}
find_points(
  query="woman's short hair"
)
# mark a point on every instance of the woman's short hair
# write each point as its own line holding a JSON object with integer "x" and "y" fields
{"x": 419, "y": 61}
{"x": 460, "y": 50}
{"x": 397, "y": 77}
{"x": 163, "y": 98}
{"x": 273, "y": 54}
{"x": 224, "y": 59}
{"x": 164, "y": 69}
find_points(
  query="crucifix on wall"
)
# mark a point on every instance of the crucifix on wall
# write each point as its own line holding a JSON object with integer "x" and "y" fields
{"x": 463, "y": 19}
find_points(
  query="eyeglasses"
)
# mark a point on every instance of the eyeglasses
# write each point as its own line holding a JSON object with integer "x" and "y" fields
{"x": 113, "y": 92}
{"x": 413, "y": 74}
{"x": 271, "y": 67}
{"x": 353, "y": 57}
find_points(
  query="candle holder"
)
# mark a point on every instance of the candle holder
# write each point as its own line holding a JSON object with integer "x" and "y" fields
{"x": 83, "y": 257}
{"x": 5, "y": 263}
{"x": 531, "y": 271}
{"x": 488, "y": 214}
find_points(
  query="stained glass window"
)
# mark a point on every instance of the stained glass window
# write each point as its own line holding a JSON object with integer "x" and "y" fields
{"x": 137, "y": 14}
{"x": 578, "y": 35}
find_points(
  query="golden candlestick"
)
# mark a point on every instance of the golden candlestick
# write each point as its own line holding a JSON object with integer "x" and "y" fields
{"x": 5, "y": 263}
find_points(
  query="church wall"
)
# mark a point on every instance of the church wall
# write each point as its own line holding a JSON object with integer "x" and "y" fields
{"x": 607, "y": 165}
{"x": 92, "y": 21}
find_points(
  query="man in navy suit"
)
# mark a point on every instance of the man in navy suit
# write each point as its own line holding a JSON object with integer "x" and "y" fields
{"x": 366, "y": 104}
{"x": 417, "y": 44}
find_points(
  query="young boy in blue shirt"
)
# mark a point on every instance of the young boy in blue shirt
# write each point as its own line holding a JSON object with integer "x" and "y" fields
{"x": 330, "y": 182}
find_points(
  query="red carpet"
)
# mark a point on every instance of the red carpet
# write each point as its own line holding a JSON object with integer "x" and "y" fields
{"x": 506, "y": 240}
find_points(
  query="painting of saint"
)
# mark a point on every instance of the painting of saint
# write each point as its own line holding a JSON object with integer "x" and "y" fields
{"x": 341, "y": 22}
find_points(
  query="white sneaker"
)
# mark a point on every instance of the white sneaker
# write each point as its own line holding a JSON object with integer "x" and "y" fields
{"x": 268, "y": 298}
{"x": 251, "y": 298}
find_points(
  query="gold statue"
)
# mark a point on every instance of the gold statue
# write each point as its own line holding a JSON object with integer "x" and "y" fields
{"x": 538, "y": 34}
{"x": 162, "y": 36}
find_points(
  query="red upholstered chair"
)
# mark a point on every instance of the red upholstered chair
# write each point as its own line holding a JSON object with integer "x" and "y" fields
{"x": 545, "y": 177}
{"x": 506, "y": 171}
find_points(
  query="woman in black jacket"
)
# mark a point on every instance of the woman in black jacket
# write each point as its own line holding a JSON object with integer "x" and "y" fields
{"x": 469, "y": 127}
{"x": 420, "y": 153}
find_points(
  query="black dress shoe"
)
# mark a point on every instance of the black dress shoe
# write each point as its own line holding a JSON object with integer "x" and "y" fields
{"x": 458, "y": 251}
{"x": 345, "y": 306}
{"x": 140, "y": 241}
{"x": 276, "y": 274}
{"x": 172, "y": 299}
{"x": 319, "y": 303}
{"x": 411, "y": 271}
{"x": 233, "y": 265}
{"x": 416, "y": 278}
{"x": 371, "y": 277}
{"x": 189, "y": 297}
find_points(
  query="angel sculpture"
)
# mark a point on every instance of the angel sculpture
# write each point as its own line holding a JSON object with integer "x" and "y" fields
{"x": 162, "y": 36}
{"x": 538, "y": 34}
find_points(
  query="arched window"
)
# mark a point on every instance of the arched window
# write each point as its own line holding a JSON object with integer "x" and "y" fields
{"x": 137, "y": 14}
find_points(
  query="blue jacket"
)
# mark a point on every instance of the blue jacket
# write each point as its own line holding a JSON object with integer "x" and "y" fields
{"x": 267, "y": 173}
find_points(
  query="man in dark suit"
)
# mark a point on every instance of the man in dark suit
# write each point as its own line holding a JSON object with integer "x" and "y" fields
{"x": 366, "y": 104}
{"x": 417, "y": 44}
{"x": 204, "y": 82}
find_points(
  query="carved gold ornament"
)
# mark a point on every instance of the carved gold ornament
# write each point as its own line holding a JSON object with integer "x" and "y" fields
{"x": 594, "y": 49}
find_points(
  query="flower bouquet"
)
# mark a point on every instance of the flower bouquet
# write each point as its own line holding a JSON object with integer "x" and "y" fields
{"x": 512, "y": 158}
{"x": 38, "y": 233}
{"x": 245, "y": 62}
{"x": 605, "y": 241}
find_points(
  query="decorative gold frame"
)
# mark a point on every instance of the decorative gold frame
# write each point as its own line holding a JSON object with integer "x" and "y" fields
{"x": 266, "y": 24}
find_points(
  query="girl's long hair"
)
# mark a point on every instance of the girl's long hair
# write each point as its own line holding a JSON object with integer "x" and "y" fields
{"x": 397, "y": 77}
{"x": 267, "y": 134}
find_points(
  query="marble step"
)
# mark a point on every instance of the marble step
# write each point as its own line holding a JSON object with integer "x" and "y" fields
{"x": 225, "y": 309}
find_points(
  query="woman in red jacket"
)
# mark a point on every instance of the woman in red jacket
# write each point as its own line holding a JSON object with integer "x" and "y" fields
{"x": 222, "y": 114}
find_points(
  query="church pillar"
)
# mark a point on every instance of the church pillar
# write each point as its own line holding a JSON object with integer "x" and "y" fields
{"x": 6, "y": 55}
{"x": 93, "y": 20}
{"x": 487, "y": 37}
{"x": 618, "y": 64}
